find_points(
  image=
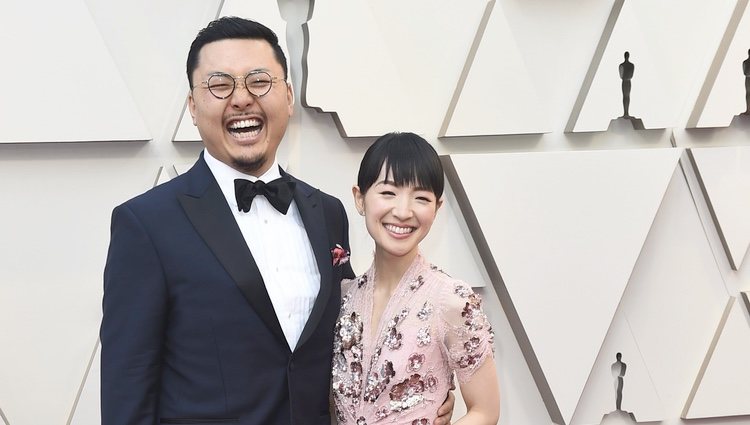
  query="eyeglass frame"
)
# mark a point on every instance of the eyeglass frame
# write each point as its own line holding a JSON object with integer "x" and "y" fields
{"x": 234, "y": 83}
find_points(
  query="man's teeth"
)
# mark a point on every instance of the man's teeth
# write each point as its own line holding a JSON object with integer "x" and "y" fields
{"x": 399, "y": 230}
{"x": 243, "y": 124}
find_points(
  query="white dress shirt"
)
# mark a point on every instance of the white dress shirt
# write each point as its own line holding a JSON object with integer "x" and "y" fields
{"x": 280, "y": 247}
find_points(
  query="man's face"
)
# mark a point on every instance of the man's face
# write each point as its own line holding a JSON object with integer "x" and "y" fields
{"x": 242, "y": 131}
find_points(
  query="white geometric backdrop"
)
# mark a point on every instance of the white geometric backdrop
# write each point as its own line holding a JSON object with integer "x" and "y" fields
{"x": 585, "y": 239}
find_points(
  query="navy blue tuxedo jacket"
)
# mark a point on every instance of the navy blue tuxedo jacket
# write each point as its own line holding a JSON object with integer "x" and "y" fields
{"x": 189, "y": 334}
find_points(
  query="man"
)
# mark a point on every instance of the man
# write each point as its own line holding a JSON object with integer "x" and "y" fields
{"x": 220, "y": 294}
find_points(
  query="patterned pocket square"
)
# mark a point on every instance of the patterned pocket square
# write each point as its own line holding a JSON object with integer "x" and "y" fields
{"x": 340, "y": 255}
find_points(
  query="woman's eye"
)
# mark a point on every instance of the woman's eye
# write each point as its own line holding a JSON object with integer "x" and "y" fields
{"x": 387, "y": 192}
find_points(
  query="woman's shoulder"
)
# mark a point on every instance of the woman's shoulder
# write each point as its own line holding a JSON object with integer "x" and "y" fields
{"x": 451, "y": 296}
{"x": 348, "y": 285}
{"x": 447, "y": 285}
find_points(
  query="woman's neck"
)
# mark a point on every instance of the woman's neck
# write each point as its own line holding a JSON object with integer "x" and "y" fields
{"x": 390, "y": 269}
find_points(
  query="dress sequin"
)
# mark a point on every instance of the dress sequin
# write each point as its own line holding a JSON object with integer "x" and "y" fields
{"x": 416, "y": 283}
{"x": 425, "y": 311}
{"x": 423, "y": 337}
{"x": 415, "y": 362}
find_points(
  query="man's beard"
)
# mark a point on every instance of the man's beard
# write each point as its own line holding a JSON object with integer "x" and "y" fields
{"x": 249, "y": 165}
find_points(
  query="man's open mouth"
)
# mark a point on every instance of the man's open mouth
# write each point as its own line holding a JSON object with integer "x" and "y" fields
{"x": 246, "y": 128}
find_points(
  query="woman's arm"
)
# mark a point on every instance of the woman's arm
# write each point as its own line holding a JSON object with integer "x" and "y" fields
{"x": 482, "y": 396}
{"x": 468, "y": 344}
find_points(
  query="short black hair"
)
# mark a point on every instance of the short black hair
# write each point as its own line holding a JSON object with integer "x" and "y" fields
{"x": 409, "y": 161}
{"x": 232, "y": 27}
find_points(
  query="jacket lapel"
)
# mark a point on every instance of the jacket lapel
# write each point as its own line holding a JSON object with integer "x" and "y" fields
{"x": 308, "y": 203}
{"x": 206, "y": 207}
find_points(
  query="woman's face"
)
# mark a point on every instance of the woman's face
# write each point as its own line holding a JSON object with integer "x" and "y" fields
{"x": 397, "y": 217}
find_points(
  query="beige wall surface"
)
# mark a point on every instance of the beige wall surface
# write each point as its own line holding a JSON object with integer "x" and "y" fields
{"x": 586, "y": 235}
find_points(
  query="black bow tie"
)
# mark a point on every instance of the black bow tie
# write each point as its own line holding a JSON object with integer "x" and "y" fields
{"x": 278, "y": 192}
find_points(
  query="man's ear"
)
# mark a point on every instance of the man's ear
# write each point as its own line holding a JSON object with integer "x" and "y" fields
{"x": 290, "y": 97}
{"x": 191, "y": 107}
{"x": 359, "y": 200}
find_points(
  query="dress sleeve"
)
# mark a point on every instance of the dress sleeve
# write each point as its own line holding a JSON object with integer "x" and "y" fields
{"x": 468, "y": 338}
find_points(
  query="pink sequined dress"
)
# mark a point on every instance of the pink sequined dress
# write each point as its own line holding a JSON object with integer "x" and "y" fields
{"x": 432, "y": 326}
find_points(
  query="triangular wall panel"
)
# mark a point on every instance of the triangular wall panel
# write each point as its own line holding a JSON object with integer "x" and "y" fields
{"x": 724, "y": 174}
{"x": 649, "y": 93}
{"x": 639, "y": 396}
{"x": 495, "y": 97}
{"x": 162, "y": 176}
{"x": 676, "y": 295}
{"x": 87, "y": 409}
{"x": 264, "y": 11}
{"x": 723, "y": 93}
{"x": 384, "y": 75}
{"x": 78, "y": 85}
{"x": 723, "y": 385}
{"x": 562, "y": 232}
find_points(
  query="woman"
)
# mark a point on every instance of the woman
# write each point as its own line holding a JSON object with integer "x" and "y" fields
{"x": 405, "y": 326}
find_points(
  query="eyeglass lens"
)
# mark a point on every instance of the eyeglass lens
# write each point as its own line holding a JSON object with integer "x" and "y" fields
{"x": 223, "y": 85}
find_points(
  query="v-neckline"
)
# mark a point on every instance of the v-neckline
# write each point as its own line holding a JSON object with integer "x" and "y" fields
{"x": 373, "y": 338}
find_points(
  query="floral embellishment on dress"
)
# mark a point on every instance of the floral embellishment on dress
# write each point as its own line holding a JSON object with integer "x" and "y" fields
{"x": 420, "y": 421}
{"x": 469, "y": 361}
{"x": 472, "y": 312}
{"x": 416, "y": 283}
{"x": 355, "y": 368}
{"x": 361, "y": 281}
{"x": 378, "y": 382}
{"x": 425, "y": 311}
{"x": 430, "y": 383}
{"x": 344, "y": 300}
{"x": 423, "y": 337}
{"x": 463, "y": 291}
{"x": 361, "y": 421}
{"x": 393, "y": 339}
{"x": 340, "y": 255}
{"x": 348, "y": 330}
{"x": 407, "y": 393}
{"x": 416, "y": 361}
{"x": 472, "y": 344}
{"x": 347, "y": 377}
{"x": 381, "y": 413}
{"x": 402, "y": 314}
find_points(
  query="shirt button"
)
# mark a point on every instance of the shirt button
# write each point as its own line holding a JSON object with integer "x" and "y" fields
{"x": 265, "y": 221}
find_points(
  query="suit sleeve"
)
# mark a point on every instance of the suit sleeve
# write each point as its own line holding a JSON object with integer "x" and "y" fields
{"x": 132, "y": 330}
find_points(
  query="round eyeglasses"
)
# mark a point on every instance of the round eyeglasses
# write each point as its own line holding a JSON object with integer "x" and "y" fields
{"x": 222, "y": 85}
